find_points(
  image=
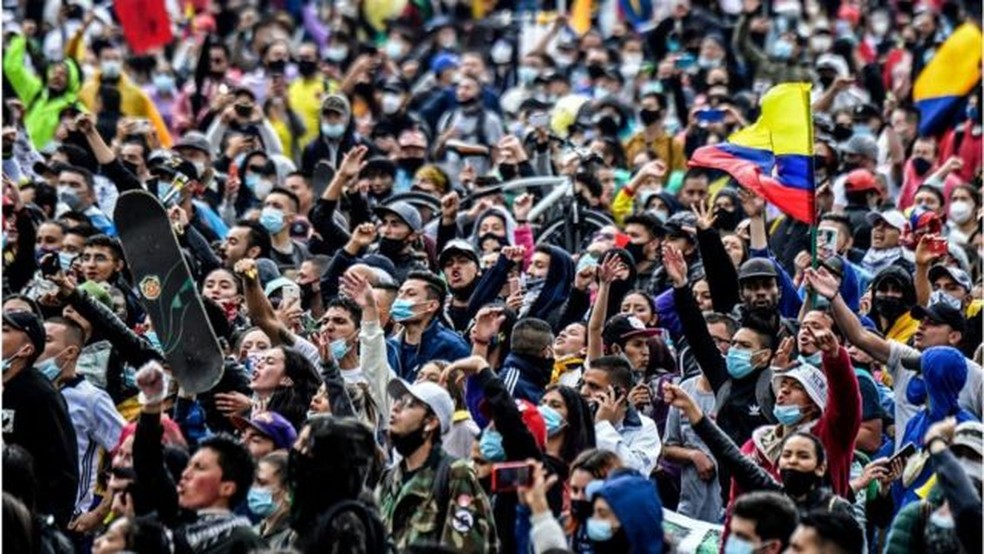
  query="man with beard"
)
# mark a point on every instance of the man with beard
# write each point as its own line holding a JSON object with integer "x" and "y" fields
{"x": 429, "y": 496}
{"x": 939, "y": 325}
{"x": 413, "y": 153}
{"x": 467, "y": 132}
{"x": 459, "y": 262}
{"x": 645, "y": 233}
{"x": 400, "y": 226}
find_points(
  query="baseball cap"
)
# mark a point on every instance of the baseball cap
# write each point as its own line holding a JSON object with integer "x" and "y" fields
{"x": 863, "y": 112}
{"x": 412, "y": 138}
{"x": 924, "y": 218}
{"x": 958, "y": 275}
{"x": 379, "y": 165}
{"x": 861, "y": 145}
{"x": 893, "y": 217}
{"x": 833, "y": 61}
{"x": 941, "y": 312}
{"x": 271, "y": 425}
{"x": 623, "y": 327}
{"x": 431, "y": 394}
{"x": 813, "y": 380}
{"x": 30, "y": 325}
{"x": 403, "y": 210}
{"x": 969, "y": 435}
{"x": 443, "y": 62}
{"x": 860, "y": 180}
{"x": 458, "y": 246}
{"x": 757, "y": 267}
{"x": 195, "y": 140}
{"x": 335, "y": 103}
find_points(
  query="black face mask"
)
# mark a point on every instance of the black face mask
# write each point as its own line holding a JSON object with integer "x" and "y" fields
{"x": 826, "y": 81}
{"x": 276, "y": 66}
{"x": 798, "y": 483}
{"x": 468, "y": 103}
{"x": 364, "y": 90}
{"x": 581, "y": 510}
{"x": 411, "y": 165}
{"x": 508, "y": 172}
{"x": 637, "y": 251}
{"x": 725, "y": 220}
{"x": 595, "y": 71}
{"x": 842, "y": 132}
{"x": 307, "y": 67}
{"x": 502, "y": 241}
{"x": 409, "y": 443}
{"x": 649, "y": 117}
{"x": 921, "y": 166}
{"x": 131, "y": 167}
{"x": 391, "y": 247}
{"x": 608, "y": 126}
{"x": 848, "y": 167}
{"x": 890, "y": 308}
{"x": 465, "y": 292}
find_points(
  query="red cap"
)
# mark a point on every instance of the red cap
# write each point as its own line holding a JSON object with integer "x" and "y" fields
{"x": 861, "y": 180}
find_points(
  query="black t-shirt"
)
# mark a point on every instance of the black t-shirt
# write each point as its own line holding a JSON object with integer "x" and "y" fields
{"x": 35, "y": 417}
{"x": 741, "y": 413}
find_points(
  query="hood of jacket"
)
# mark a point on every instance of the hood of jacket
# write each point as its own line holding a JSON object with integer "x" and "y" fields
{"x": 504, "y": 215}
{"x": 944, "y": 373}
{"x": 637, "y": 506}
{"x": 560, "y": 280}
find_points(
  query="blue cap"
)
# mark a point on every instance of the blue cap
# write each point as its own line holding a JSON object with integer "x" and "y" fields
{"x": 444, "y": 61}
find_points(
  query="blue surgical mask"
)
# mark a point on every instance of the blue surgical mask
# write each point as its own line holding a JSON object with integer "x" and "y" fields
{"x": 163, "y": 82}
{"x": 154, "y": 340}
{"x": 739, "y": 362}
{"x": 260, "y": 501}
{"x": 7, "y": 362}
{"x": 339, "y": 348}
{"x": 737, "y": 545}
{"x": 491, "y": 446}
{"x": 861, "y": 129}
{"x": 814, "y": 359}
{"x": 939, "y": 296}
{"x": 49, "y": 368}
{"x": 552, "y": 418}
{"x": 332, "y": 131}
{"x": 600, "y": 530}
{"x": 402, "y": 309}
{"x": 129, "y": 378}
{"x": 65, "y": 260}
{"x": 272, "y": 220}
{"x": 527, "y": 75}
{"x": 782, "y": 49}
{"x": 788, "y": 415}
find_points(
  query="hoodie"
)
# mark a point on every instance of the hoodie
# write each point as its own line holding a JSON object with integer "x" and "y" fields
{"x": 557, "y": 288}
{"x": 944, "y": 372}
{"x": 637, "y": 506}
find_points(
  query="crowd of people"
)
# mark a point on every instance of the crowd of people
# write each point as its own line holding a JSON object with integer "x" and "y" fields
{"x": 411, "y": 362}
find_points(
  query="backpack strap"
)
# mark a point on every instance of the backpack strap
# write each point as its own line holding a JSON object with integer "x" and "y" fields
{"x": 440, "y": 489}
{"x": 763, "y": 393}
{"x": 722, "y": 395}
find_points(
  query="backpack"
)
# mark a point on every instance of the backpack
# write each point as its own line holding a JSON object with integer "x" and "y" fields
{"x": 763, "y": 394}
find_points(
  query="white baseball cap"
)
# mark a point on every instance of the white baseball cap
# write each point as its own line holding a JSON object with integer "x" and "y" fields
{"x": 431, "y": 394}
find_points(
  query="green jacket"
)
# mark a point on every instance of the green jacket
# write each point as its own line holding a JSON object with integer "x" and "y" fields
{"x": 42, "y": 109}
{"x": 409, "y": 507}
{"x": 910, "y": 524}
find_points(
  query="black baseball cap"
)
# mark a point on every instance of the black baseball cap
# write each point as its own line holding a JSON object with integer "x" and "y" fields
{"x": 941, "y": 313}
{"x": 623, "y": 327}
{"x": 757, "y": 267}
{"x": 457, "y": 246}
{"x": 30, "y": 325}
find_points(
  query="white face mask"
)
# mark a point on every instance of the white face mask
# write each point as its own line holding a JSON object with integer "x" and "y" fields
{"x": 391, "y": 103}
{"x": 111, "y": 68}
{"x": 960, "y": 211}
{"x": 821, "y": 43}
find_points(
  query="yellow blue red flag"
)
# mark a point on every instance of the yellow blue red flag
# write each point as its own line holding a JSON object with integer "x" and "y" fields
{"x": 952, "y": 73}
{"x": 774, "y": 156}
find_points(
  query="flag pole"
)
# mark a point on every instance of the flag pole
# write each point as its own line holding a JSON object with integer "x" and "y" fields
{"x": 814, "y": 262}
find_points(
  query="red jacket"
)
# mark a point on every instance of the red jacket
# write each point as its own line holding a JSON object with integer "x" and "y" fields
{"x": 837, "y": 428}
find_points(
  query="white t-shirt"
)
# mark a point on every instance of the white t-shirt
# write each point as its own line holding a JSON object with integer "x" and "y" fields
{"x": 903, "y": 361}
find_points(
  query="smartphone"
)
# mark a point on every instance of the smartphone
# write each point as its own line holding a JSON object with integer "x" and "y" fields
{"x": 539, "y": 120}
{"x": 49, "y": 265}
{"x": 826, "y": 243}
{"x": 938, "y": 246}
{"x": 685, "y": 61}
{"x": 710, "y": 115}
{"x": 904, "y": 454}
{"x": 509, "y": 476}
{"x": 290, "y": 293}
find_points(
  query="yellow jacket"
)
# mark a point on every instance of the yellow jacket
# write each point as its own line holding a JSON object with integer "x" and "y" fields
{"x": 903, "y": 329}
{"x": 133, "y": 103}
{"x": 305, "y": 97}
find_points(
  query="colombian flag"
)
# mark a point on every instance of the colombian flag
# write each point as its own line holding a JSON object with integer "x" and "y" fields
{"x": 774, "y": 156}
{"x": 947, "y": 78}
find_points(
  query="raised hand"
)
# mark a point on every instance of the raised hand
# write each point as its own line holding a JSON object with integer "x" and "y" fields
{"x": 822, "y": 282}
{"x": 246, "y": 268}
{"x": 84, "y": 124}
{"x": 152, "y": 382}
{"x": 924, "y": 250}
{"x": 364, "y": 235}
{"x": 353, "y": 162}
{"x": 674, "y": 265}
{"x": 514, "y": 254}
{"x": 609, "y": 269}
{"x": 825, "y": 340}
{"x": 357, "y": 288}
{"x": 753, "y": 205}
{"x": 784, "y": 355}
{"x": 522, "y": 206}
{"x": 535, "y": 495}
{"x": 585, "y": 277}
{"x": 469, "y": 366}
{"x": 487, "y": 323}
{"x": 450, "y": 204}
{"x": 705, "y": 215}
{"x": 675, "y": 396}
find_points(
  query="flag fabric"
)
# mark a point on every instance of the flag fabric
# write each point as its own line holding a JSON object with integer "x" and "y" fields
{"x": 636, "y": 12}
{"x": 145, "y": 23}
{"x": 953, "y": 72}
{"x": 580, "y": 19}
{"x": 774, "y": 156}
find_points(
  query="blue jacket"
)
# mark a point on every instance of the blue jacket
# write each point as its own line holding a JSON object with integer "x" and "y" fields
{"x": 637, "y": 506}
{"x": 437, "y": 343}
{"x": 522, "y": 376}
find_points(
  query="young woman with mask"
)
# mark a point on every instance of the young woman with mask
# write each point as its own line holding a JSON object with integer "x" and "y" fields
{"x": 269, "y": 499}
{"x": 590, "y": 466}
